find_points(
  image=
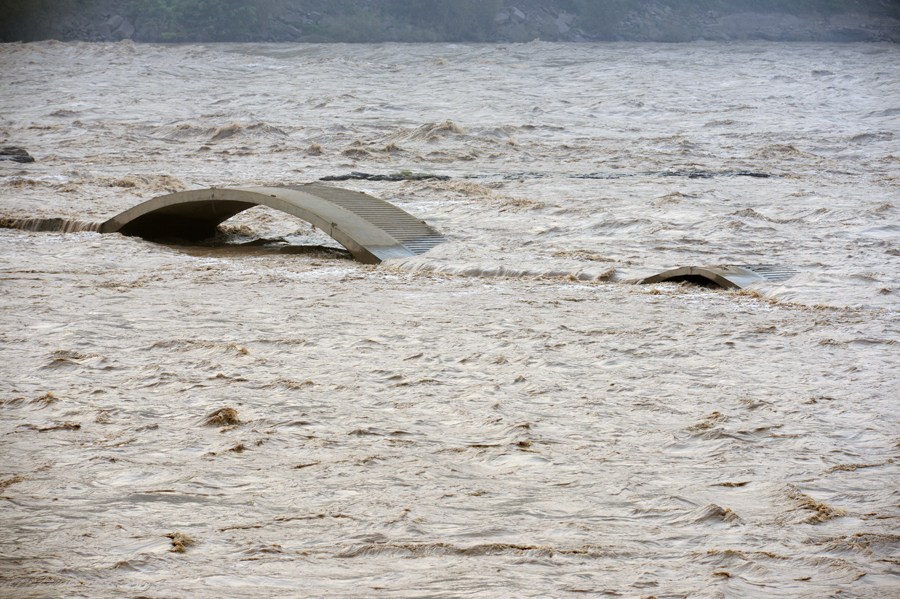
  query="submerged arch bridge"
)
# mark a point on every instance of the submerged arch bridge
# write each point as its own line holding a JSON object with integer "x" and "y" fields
{"x": 371, "y": 229}
{"x": 726, "y": 276}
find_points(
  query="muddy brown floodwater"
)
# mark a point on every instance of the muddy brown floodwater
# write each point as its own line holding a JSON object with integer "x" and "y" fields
{"x": 504, "y": 416}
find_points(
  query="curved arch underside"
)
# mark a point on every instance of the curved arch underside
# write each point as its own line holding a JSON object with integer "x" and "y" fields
{"x": 371, "y": 229}
{"x": 725, "y": 276}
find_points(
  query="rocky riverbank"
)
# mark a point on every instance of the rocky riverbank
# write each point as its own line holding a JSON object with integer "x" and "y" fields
{"x": 512, "y": 21}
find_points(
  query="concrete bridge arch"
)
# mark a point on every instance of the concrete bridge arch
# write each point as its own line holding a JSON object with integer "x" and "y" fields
{"x": 371, "y": 229}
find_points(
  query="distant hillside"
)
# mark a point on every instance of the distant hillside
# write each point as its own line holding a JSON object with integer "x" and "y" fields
{"x": 449, "y": 20}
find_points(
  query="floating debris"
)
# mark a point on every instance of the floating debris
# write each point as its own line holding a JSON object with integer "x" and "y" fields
{"x": 222, "y": 417}
{"x": 15, "y": 154}
{"x": 62, "y": 426}
{"x": 401, "y": 176}
{"x": 687, "y": 174}
{"x": 11, "y": 481}
{"x": 180, "y": 541}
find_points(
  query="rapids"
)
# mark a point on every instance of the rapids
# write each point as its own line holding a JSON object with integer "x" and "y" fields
{"x": 505, "y": 415}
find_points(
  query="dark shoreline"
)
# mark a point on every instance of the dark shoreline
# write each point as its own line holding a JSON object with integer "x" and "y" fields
{"x": 507, "y": 21}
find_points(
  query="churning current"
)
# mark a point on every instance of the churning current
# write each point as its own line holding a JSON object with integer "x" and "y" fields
{"x": 506, "y": 415}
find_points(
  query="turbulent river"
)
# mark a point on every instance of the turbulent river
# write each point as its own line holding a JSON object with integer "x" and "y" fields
{"x": 506, "y": 415}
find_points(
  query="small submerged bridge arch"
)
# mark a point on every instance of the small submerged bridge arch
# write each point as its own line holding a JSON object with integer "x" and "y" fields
{"x": 726, "y": 276}
{"x": 371, "y": 229}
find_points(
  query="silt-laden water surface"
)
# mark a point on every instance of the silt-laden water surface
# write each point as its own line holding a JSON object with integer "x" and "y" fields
{"x": 506, "y": 415}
